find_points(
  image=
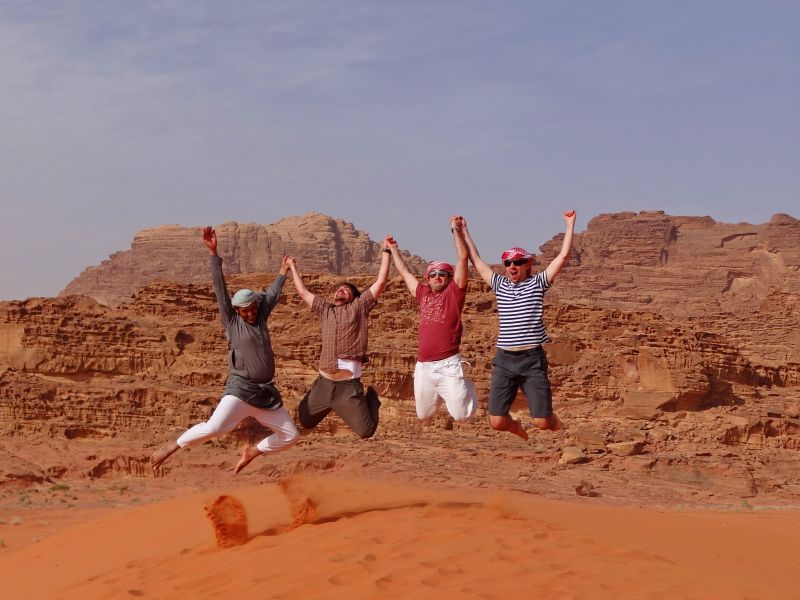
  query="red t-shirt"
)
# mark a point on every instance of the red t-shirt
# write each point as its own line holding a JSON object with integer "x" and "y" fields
{"x": 439, "y": 321}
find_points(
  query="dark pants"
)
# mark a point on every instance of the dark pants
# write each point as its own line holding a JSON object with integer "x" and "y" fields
{"x": 526, "y": 369}
{"x": 347, "y": 399}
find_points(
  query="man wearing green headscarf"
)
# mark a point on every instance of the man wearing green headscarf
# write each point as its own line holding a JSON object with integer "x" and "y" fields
{"x": 250, "y": 389}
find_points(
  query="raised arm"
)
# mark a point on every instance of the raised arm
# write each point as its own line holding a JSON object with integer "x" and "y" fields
{"x": 383, "y": 272}
{"x": 461, "y": 276}
{"x": 484, "y": 270}
{"x": 226, "y": 312}
{"x": 400, "y": 265}
{"x": 554, "y": 268}
{"x": 302, "y": 291}
{"x": 272, "y": 294}
{"x": 210, "y": 240}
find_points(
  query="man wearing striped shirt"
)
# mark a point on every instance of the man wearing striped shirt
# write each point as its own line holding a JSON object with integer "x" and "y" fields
{"x": 520, "y": 360}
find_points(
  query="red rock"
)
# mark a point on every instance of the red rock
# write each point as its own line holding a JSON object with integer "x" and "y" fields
{"x": 680, "y": 326}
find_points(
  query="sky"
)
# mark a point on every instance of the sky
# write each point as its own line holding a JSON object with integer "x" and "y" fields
{"x": 116, "y": 116}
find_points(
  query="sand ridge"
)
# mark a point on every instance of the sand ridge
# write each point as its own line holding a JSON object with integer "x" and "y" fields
{"x": 316, "y": 536}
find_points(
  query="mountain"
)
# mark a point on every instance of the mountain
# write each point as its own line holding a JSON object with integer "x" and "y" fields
{"x": 319, "y": 243}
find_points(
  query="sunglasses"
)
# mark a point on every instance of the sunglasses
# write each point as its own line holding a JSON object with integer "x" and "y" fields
{"x": 432, "y": 274}
{"x": 517, "y": 261}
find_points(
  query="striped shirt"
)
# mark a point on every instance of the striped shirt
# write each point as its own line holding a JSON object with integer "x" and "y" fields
{"x": 521, "y": 310}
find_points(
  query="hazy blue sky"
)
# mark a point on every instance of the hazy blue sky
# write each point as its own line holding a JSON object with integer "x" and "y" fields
{"x": 118, "y": 115}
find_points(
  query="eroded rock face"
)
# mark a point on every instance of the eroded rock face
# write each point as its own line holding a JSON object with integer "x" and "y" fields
{"x": 663, "y": 367}
{"x": 741, "y": 280}
{"x": 321, "y": 244}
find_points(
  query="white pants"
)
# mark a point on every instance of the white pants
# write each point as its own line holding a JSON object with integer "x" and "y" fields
{"x": 443, "y": 380}
{"x": 231, "y": 411}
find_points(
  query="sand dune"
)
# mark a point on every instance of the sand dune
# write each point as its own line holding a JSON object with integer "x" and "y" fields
{"x": 325, "y": 537}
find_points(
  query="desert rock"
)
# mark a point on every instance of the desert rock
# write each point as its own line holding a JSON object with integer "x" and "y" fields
{"x": 321, "y": 244}
{"x": 659, "y": 346}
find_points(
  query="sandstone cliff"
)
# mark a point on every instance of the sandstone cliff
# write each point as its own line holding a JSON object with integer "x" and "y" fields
{"x": 738, "y": 279}
{"x": 675, "y": 361}
{"x": 321, "y": 244}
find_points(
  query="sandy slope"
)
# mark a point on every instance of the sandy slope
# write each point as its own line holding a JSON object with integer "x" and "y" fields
{"x": 326, "y": 537}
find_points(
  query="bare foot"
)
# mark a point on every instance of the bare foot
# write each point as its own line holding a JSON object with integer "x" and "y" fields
{"x": 516, "y": 428}
{"x": 248, "y": 454}
{"x": 551, "y": 423}
{"x": 509, "y": 424}
{"x": 555, "y": 423}
{"x": 163, "y": 453}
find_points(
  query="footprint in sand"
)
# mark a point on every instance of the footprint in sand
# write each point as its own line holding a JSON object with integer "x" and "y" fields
{"x": 434, "y": 581}
{"x": 303, "y": 508}
{"x": 368, "y": 562}
{"x": 229, "y": 519}
{"x": 348, "y": 577}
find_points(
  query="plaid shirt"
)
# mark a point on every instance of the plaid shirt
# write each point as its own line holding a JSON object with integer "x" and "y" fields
{"x": 344, "y": 330}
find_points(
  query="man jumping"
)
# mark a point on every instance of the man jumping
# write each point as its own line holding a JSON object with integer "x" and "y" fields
{"x": 250, "y": 390}
{"x": 344, "y": 350}
{"x": 520, "y": 359}
{"x": 439, "y": 374}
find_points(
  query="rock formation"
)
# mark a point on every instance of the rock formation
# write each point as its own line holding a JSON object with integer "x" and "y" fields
{"x": 739, "y": 280}
{"x": 320, "y": 243}
{"x": 675, "y": 354}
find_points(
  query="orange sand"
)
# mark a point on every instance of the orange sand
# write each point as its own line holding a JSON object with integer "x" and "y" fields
{"x": 322, "y": 537}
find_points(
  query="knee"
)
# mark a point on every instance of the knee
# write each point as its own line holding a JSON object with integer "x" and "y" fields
{"x": 460, "y": 417}
{"x": 367, "y": 430}
{"x": 498, "y": 423}
{"x": 465, "y": 409}
{"x": 364, "y": 435}
{"x": 426, "y": 413}
{"x": 551, "y": 422}
{"x": 213, "y": 428}
{"x": 464, "y": 413}
{"x": 306, "y": 419}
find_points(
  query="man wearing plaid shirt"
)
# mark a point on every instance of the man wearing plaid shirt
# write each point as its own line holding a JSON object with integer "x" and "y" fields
{"x": 344, "y": 349}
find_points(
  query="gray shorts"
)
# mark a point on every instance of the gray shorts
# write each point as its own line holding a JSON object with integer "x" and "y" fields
{"x": 526, "y": 369}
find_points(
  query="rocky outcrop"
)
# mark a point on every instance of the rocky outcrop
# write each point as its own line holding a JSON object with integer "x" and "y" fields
{"x": 80, "y": 371}
{"x": 650, "y": 258}
{"x": 740, "y": 280}
{"x": 321, "y": 244}
{"x": 662, "y": 365}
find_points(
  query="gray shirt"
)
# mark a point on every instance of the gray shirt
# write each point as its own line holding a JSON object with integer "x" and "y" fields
{"x": 250, "y": 357}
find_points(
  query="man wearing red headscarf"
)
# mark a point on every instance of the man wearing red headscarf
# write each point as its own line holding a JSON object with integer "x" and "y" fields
{"x": 520, "y": 360}
{"x": 439, "y": 374}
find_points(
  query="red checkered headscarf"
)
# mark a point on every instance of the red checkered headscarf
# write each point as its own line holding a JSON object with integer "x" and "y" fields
{"x": 439, "y": 266}
{"x": 515, "y": 253}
